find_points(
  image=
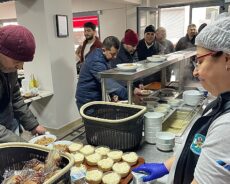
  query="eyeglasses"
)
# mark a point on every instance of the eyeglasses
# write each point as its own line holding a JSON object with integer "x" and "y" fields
{"x": 197, "y": 60}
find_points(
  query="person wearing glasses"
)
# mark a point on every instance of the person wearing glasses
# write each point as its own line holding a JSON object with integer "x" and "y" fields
{"x": 204, "y": 157}
{"x": 89, "y": 82}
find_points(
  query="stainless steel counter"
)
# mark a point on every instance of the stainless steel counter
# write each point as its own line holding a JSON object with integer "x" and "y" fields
{"x": 152, "y": 154}
{"x": 147, "y": 68}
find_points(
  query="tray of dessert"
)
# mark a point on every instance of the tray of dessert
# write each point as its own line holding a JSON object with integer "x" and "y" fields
{"x": 122, "y": 168}
{"x": 101, "y": 164}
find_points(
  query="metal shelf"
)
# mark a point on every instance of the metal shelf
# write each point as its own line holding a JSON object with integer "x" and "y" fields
{"x": 147, "y": 68}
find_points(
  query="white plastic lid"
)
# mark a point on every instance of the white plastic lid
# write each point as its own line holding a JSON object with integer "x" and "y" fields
{"x": 154, "y": 115}
{"x": 192, "y": 92}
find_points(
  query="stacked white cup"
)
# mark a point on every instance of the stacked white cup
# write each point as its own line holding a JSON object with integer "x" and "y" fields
{"x": 152, "y": 125}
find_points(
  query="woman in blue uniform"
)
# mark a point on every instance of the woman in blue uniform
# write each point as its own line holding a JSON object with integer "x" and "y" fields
{"x": 205, "y": 155}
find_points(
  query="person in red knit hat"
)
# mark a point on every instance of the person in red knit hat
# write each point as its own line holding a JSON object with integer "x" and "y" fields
{"x": 127, "y": 52}
{"x": 17, "y": 45}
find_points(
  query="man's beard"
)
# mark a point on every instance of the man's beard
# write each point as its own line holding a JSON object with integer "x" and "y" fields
{"x": 89, "y": 38}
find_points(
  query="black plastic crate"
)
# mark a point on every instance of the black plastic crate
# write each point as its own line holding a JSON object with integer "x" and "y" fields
{"x": 118, "y": 126}
{"x": 14, "y": 157}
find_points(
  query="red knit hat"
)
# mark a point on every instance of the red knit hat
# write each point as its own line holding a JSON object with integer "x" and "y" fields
{"x": 17, "y": 42}
{"x": 131, "y": 38}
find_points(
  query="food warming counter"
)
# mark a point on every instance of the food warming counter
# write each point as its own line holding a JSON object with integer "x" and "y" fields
{"x": 146, "y": 69}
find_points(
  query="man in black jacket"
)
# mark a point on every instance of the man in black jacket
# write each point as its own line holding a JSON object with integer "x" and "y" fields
{"x": 17, "y": 45}
{"x": 188, "y": 40}
{"x": 148, "y": 45}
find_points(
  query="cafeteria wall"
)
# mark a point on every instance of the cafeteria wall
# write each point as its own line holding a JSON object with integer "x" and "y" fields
{"x": 115, "y": 17}
{"x": 54, "y": 62}
{"x": 7, "y": 10}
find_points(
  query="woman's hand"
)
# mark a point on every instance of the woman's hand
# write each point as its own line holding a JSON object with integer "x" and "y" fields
{"x": 154, "y": 170}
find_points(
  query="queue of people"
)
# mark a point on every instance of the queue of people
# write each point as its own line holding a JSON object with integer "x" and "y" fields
{"x": 93, "y": 58}
{"x": 131, "y": 50}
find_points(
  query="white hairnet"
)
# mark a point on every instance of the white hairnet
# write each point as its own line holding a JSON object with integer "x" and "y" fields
{"x": 216, "y": 36}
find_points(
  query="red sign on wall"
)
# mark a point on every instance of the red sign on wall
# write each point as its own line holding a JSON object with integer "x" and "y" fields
{"x": 78, "y": 22}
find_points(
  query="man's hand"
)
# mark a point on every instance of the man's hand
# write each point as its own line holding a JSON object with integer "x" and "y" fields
{"x": 39, "y": 130}
{"x": 141, "y": 86}
{"x": 137, "y": 91}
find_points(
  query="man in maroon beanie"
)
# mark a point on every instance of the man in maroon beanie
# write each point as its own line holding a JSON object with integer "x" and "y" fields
{"x": 17, "y": 45}
{"x": 127, "y": 52}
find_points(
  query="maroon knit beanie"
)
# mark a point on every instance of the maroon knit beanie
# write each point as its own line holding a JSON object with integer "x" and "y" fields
{"x": 17, "y": 42}
{"x": 131, "y": 38}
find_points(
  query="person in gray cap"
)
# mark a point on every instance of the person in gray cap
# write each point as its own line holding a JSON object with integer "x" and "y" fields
{"x": 204, "y": 156}
{"x": 17, "y": 45}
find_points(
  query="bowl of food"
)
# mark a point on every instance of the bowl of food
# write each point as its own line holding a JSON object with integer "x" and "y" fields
{"x": 43, "y": 139}
{"x": 164, "y": 105}
{"x": 161, "y": 109}
{"x": 156, "y": 58}
{"x": 174, "y": 102}
{"x": 146, "y": 92}
{"x": 127, "y": 66}
{"x": 167, "y": 91}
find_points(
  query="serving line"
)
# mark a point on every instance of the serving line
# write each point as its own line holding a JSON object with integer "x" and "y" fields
{"x": 147, "y": 68}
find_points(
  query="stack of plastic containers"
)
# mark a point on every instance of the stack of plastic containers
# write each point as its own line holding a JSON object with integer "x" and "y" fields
{"x": 152, "y": 125}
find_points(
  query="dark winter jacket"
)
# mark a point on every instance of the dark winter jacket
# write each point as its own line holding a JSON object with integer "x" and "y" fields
{"x": 143, "y": 51}
{"x": 89, "y": 82}
{"x": 185, "y": 43}
{"x": 124, "y": 56}
{"x": 12, "y": 107}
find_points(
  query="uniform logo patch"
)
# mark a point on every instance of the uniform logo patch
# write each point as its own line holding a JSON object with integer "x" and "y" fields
{"x": 223, "y": 164}
{"x": 197, "y": 143}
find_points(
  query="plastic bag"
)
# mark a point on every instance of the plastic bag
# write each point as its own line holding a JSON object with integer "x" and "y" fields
{"x": 35, "y": 171}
